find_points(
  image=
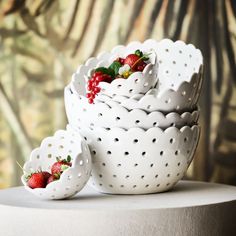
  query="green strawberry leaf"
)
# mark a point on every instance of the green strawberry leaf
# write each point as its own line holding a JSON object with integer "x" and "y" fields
{"x": 138, "y": 53}
{"x": 107, "y": 71}
{"x": 145, "y": 58}
{"x": 68, "y": 158}
{"x": 115, "y": 66}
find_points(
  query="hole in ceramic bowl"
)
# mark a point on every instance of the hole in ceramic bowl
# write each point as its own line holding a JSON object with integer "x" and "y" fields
{"x": 177, "y": 152}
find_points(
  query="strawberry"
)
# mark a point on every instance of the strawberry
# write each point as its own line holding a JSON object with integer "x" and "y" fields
{"x": 61, "y": 165}
{"x": 121, "y": 60}
{"x": 141, "y": 66}
{"x": 51, "y": 179}
{"x": 133, "y": 61}
{"x": 38, "y": 179}
{"x": 46, "y": 174}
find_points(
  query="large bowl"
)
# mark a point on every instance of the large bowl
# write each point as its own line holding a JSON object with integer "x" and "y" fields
{"x": 81, "y": 114}
{"x": 136, "y": 161}
{"x": 73, "y": 179}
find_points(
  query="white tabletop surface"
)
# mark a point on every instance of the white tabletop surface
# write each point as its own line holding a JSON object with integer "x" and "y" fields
{"x": 185, "y": 194}
{"x": 191, "y": 208}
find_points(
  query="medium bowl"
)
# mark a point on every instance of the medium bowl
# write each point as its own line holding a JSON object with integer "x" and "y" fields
{"x": 81, "y": 114}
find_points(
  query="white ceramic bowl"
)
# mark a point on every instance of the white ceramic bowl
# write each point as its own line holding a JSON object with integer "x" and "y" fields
{"x": 178, "y": 62}
{"x": 136, "y": 83}
{"x": 73, "y": 179}
{"x": 81, "y": 114}
{"x": 136, "y": 161}
{"x": 179, "y": 81}
{"x": 183, "y": 99}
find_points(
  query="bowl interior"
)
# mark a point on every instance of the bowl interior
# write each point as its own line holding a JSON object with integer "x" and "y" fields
{"x": 73, "y": 179}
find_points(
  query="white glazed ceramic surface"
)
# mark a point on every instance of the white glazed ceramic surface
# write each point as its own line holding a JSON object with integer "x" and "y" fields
{"x": 178, "y": 61}
{"x": 130, "y": 154}
{"x": 183, "y": 99}
{"x": 137, "y": 83}
{"x": 179, "y": 69}
{"x": 138, "y": 161}
{"x": 73, "y": 179}
{"x": 81, "y": 114}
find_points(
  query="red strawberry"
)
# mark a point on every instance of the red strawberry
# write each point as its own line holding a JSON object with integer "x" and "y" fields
{"x": 133, "y": 61}
{"x": 121, "y": 60}
{"x": 141, "y": 66}
{"x": 51, "y": 179}
{"x": 46, "y": 174}
{"x": 61, "y": 165}
{"x": 38, "y": 179}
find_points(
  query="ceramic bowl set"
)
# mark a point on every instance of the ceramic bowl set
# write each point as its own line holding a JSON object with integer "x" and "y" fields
{"x": 142, "y": 131}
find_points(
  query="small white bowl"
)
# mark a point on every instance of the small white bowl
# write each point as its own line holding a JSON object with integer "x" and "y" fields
{"x": 136, "y": 83}
{"x": 81, "y": 114}
{"x": 73, "y": 179}
{"x": 136, "y": 161}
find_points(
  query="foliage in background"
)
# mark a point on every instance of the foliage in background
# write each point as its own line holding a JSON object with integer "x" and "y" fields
{"x": 43, "y": 41}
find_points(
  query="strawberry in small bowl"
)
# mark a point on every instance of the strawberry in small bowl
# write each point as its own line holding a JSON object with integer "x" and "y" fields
{"x": 134, "y": 74}
{"x": 40, "y": 179}
{"x": 49, "y": 175}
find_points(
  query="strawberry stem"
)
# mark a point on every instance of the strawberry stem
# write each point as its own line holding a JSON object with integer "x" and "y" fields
{"x": 145, "y": 55}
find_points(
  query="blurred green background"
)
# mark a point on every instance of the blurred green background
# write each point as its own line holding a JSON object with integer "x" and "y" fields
{"x": 43, "y": 41}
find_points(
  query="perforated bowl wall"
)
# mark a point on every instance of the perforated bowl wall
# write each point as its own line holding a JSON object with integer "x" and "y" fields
{"x": 81, "y": 114}
{"x": 73, "y": 179}
{"x": 137, "y": 161}
{"x": 179, "y": 70}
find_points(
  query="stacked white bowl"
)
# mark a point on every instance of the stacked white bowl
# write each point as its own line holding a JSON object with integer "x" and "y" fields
{"x": 142, "y": 131}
